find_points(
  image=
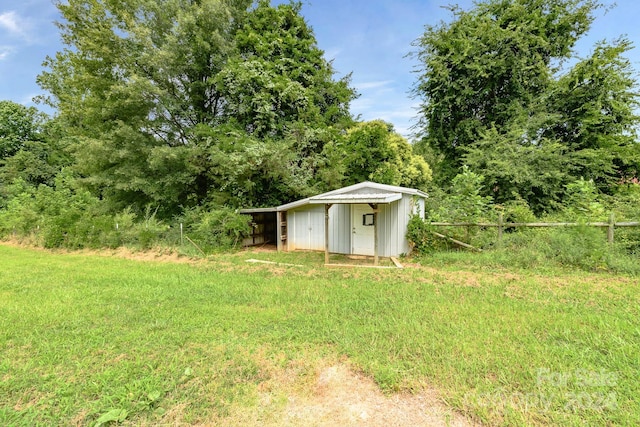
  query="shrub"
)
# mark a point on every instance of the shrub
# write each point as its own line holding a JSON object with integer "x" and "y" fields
{"x": 418, "y": 235}
{"x": 583, "y": 202}
{"x": 626, "y": 207}
{"x": 216, "y": 229}
{"x": 516, "y": 211}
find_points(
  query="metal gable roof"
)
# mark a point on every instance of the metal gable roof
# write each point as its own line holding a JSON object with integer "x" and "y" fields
{"x": 342, "y": 195}
{"x": 356, "y": 198}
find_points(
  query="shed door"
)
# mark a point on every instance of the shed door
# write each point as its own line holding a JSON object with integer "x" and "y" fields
{"x": 362, "y": 230}
{"x": 307, "y": 230}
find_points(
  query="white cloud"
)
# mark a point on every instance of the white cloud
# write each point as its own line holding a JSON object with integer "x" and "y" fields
{"x": 373, "y": 85}
{"x": 5, "y": 51}
{"x": 15, "y": 25}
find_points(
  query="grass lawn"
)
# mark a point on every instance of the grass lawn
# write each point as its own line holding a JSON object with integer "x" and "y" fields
{"x": 85, "y": 339}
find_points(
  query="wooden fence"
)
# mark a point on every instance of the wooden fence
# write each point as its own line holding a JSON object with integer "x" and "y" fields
{"x": 501, "y": 225}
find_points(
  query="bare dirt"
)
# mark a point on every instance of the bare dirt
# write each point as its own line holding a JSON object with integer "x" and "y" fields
{"x": 341, "y": 397}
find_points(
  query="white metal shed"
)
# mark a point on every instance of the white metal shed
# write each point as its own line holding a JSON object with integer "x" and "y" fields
{"x": 364, "y": 219}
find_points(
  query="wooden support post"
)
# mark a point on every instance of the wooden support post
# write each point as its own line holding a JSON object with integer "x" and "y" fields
{"x": 326, "y": 233}
{"x": 500, "y": 226}
{"x": 610, "y": 229}
{"x": 278, "y": 231}
{"x": 375, "y": 234}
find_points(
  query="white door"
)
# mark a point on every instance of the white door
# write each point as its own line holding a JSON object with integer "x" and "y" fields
{"x": 362, "y": 230}
{"x": 307, "y": 229}
{"x": 301, "y": 230}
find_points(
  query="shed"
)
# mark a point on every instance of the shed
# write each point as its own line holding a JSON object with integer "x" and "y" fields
{"x": 362, "y": 219}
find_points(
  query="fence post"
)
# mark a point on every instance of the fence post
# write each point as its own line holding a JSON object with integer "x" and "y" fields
{"x": 610, "y": 229}
{"x": 181, "y": 241}
{"x": 500, "y": 222}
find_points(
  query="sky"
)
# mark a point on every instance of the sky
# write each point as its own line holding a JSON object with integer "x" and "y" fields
{"x": 368, "y": 38}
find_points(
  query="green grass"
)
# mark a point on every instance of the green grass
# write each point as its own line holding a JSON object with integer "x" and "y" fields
{"x": 83, "y": 335}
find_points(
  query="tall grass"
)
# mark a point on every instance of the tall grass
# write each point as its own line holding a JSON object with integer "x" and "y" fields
{"x": 578, "y": 248}
{"x": 87, "y": 339}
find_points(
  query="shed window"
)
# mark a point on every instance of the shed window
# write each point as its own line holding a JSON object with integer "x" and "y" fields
{"x": 367, "y": 219}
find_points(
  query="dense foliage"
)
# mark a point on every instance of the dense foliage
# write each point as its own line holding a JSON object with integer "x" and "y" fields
{"x": 31, "y": 149}
{"x": 373, "y": 151}
{"x": 496, "y": 98}
{"x": 178, "y": 112}
{"x": 180, "y": 103}
{"x": 580, "y": 246}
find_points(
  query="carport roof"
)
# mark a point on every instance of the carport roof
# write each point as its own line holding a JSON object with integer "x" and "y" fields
{"x": 377, "y": 193}
{"x": 257, "y": 210}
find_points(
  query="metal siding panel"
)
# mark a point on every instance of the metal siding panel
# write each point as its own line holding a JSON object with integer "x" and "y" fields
{"x": 333, "y": 228}
{"x": 383, "y": 233}
{"x": 316, "y": 228}
{"x": 382, "y": 229}
{"x": 339, "y": 229}
{"x": 345, "y": 229}
{"x": 394, "y": 209}
{"x": 403, "y": 222}
{"x": 298, "y": 230}
{"x": 291, "y": 230}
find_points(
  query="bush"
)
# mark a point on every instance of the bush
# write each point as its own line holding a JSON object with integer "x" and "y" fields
{"x": 625, "y": 206}
{"x": 581, "y": 247}
{"x": 516, "y": 211}
{"x": 19, "y": 218}
{"x": 419, "y": 235}
{"x": 217, "y": 229}
{"x": 583, "y": 202}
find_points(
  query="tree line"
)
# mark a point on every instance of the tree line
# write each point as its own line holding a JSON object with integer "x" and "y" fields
{"x": 184, "y": 106}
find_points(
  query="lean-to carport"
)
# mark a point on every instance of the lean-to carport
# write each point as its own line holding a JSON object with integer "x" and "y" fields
{"x": 367, "y": 219}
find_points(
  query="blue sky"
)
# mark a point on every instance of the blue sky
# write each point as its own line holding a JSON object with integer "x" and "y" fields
{"x": 368, "y": 38}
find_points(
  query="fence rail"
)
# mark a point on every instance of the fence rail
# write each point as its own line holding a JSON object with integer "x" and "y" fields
{"x": 501, "y": 225}
{"x": 532, "y": 224}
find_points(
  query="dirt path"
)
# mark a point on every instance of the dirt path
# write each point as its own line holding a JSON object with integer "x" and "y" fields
{"x": 341, "y": 397}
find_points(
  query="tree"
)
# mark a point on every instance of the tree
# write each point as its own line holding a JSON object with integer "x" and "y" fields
{"x": 279, "y": 76}
{"x": 595, "y": 103}
{"x": 372, "y": 151}
{"x": 489, "y": 64}
{"x": 31, "y": 148}
{"x": 146, "y": 86}
{"x": 133, "y": 82}
{"x": 279, "y": 88}
{"x": 495, "y": 97}
{"x": 38, "y": 162}
{"x": 18, "y": 125}
{"x": 536, "y": 173}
